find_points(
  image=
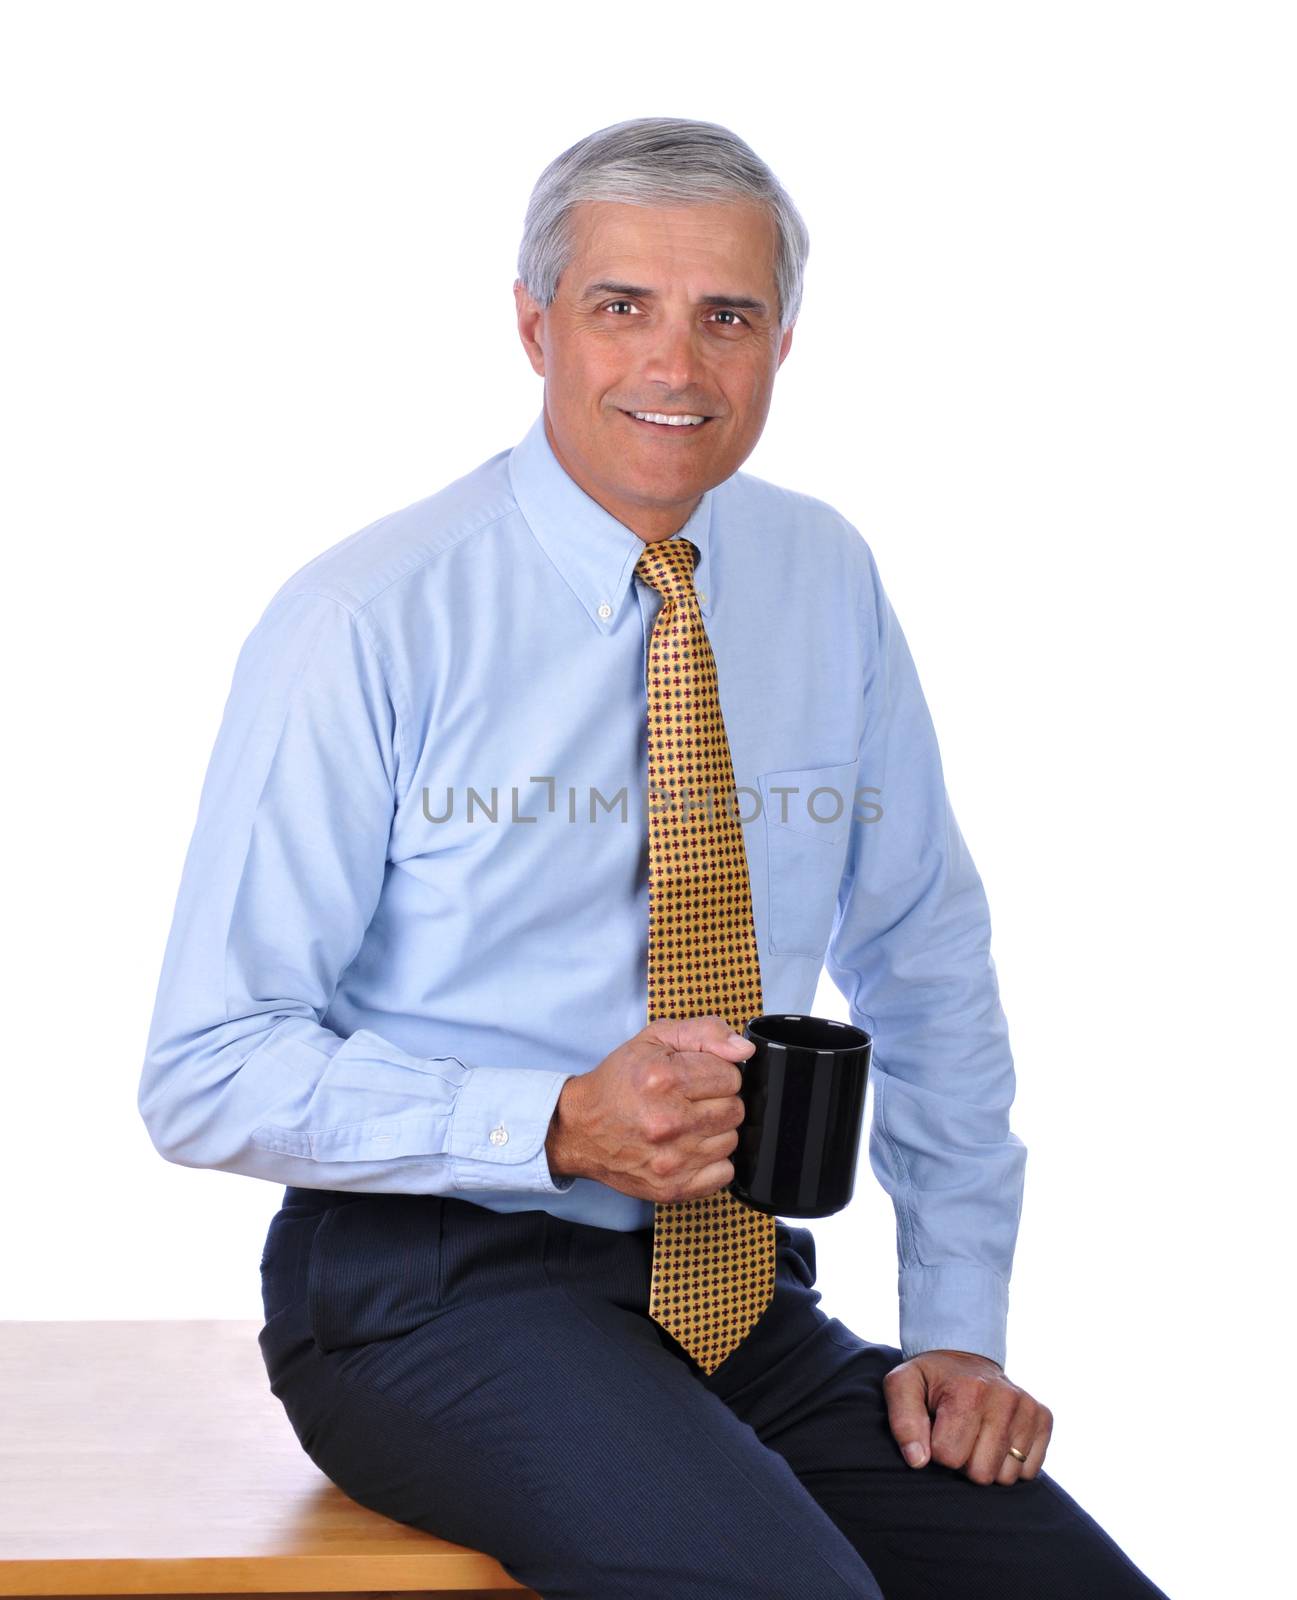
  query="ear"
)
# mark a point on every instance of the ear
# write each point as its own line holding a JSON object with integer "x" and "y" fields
{"x": 785, "y": 344}
{"x": 529, "y": 323}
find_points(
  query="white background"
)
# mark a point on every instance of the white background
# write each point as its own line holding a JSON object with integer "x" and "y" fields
{"x": 258, "y": 294}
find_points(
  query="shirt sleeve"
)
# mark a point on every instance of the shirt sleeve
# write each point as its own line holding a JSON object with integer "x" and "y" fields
{"x": 281, "y": 879}
{"x": 910, "y": 951}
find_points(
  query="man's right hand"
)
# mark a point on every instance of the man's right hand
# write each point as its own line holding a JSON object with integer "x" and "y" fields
{"x": 657, "y": 1118}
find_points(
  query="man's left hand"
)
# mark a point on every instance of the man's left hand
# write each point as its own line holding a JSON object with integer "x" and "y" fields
{"x": 978, "y": 1414}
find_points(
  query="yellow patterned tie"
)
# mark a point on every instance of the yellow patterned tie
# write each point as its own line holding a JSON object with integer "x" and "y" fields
{"x": 713, "y": 1258}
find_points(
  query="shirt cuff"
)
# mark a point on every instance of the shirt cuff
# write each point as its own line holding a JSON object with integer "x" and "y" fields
{"x": 498, "y": 1130}
{"x": 954, "y": 1308}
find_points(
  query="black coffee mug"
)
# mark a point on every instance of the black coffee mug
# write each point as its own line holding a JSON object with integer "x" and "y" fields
{"x": 803, "y": 1092}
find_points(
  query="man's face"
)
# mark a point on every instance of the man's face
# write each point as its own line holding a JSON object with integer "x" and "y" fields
{"x": 670, "y": 310}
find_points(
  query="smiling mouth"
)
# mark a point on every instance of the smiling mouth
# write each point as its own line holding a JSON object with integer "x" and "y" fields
{"x": 681, "y": 422}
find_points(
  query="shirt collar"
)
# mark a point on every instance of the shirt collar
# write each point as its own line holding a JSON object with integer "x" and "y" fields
{"x": 595, "y": 553}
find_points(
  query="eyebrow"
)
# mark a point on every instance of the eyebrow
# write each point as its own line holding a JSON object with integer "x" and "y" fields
{"x": 744, "y": 302}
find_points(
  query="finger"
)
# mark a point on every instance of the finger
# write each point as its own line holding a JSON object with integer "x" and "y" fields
{"x": 1025, "y": 1432}
{"x": 717, "y": 1176}
{"x": 716, "y": 1126}
{"x": 721, "y": 1139}
{"x": 705, "y": 1076}
{"x": 1022, "y": 1429}
{"x": 704, "y": 1034}
{"x": 991, "y": 1448}
{"x": 906, "y": 1394}
{"x": 958, "y": 1420}
{"x": 1012, "y": 1469}
{"x": 1039, "y": 1445}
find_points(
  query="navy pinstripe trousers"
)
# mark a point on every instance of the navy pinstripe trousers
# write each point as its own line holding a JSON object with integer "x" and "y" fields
{"x": 495, "y": 1379}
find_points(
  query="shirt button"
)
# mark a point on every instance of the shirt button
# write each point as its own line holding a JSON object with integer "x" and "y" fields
{"x": 605, "y": 610}
{"x": 702, "y": 597}
{"x": 500, "y": 1135}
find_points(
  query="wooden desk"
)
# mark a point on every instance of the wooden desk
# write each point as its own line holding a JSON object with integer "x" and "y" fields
{"x": 152, "y": 1458}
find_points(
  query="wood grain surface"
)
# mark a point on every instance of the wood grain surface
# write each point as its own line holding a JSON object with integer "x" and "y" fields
{"x": 152, "y": 1458}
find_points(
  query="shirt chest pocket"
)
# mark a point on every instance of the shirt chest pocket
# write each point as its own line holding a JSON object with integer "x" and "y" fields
{"x": 807, "y": 814}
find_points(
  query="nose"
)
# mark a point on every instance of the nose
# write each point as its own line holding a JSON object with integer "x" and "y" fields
{"x": 674, "y": 359}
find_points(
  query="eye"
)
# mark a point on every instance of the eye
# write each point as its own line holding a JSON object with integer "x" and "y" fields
{"x": 725, "y": 311}
{"x": 612, "y": 303}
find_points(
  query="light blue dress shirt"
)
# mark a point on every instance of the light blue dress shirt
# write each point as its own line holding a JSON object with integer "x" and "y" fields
{"x": 416, "y": 898}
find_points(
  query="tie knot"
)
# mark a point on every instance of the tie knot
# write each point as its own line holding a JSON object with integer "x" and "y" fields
{"x": 667, "y": 565}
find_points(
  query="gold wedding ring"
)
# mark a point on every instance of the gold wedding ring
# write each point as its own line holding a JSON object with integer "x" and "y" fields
{"x": 1016, "y": 1453}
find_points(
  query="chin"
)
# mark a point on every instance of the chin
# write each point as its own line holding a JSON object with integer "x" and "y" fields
{"x": 659, "y": 486}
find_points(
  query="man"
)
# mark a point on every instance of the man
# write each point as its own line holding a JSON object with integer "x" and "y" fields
{"x": 430, "y": 900}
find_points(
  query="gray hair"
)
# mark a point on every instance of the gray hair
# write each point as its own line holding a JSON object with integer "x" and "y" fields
{"x": 657, "y": 161}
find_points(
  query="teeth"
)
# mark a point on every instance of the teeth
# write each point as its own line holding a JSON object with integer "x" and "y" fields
{"x": 682, "y": 421}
